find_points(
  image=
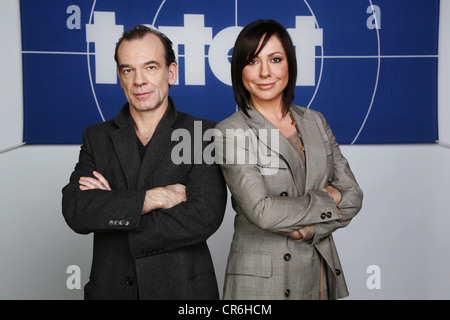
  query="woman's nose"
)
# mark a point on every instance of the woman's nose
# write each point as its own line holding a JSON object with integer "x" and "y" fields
{"x": 264, "y": 70}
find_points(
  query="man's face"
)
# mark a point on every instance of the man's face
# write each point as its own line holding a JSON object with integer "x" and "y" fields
{"x": 143, "y": 73}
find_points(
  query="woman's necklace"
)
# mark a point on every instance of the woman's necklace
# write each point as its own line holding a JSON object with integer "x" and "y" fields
{"x": 298, "y": 131}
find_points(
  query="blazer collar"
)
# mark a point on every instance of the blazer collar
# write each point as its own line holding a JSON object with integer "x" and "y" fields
{"x": 316, "y": 156}
{"x": 284, "y": 148}
{"x": 125, "y": 143}
{"x": 124, "y": 119}
{"x": 255, "y": 117}
{"x": 304, "y": 177}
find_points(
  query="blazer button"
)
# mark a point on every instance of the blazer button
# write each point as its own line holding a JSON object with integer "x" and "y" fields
{"x": 337, "y": 271}
{"x": 129, "y": 281}
{"x": 323, "y": 215}
{"x": 287, "y": 293}
{"x": 329, "y": 214}
{"x": 284, "y": 194}
{"x": 287, "y": 257}
{"x": 124, "y": 222}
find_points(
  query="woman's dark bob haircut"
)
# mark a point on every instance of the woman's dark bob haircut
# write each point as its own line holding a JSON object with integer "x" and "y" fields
{"x": 247, "y": 48}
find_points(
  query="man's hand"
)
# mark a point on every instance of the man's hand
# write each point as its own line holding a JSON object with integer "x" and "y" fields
{"x": 157, "y": 198}
{"x": 164, "y": 197}
{"x": 87, "y": 183}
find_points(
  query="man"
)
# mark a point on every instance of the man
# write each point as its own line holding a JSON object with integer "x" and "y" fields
{"x": 150, "y": 217}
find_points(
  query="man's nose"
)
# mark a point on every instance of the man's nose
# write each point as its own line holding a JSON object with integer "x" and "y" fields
{"x": 139, "y": 78}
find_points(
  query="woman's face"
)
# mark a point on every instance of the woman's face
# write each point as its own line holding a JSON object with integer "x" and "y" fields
{"x": 267, "y": 75}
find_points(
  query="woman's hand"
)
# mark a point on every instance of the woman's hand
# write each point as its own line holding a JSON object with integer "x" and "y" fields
{"x": 304, "y": 233}
{"x": 334, "y": 193}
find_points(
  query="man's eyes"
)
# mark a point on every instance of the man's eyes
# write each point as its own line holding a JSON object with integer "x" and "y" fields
{"x": 128, "y": 71}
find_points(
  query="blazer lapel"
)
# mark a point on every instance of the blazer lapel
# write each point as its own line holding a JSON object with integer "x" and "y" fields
{"x": 284, "y": 149}
{"x": 157, "y": 146}
{"x": 125, "y": 145}
{"x": 315, "y": 153}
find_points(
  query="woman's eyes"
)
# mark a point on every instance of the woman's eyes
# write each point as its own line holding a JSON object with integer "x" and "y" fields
{"x": 273, "y": 60}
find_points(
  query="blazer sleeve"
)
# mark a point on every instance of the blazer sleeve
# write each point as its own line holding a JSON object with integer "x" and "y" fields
{"x": 190, "y": 222}
{"x": 343, "y": 180}
{"x": 248, "y": 188}
{"x": 98, "y": 210}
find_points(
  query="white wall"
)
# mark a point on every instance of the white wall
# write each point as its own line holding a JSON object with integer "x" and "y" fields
{"x": 402, "y": 227}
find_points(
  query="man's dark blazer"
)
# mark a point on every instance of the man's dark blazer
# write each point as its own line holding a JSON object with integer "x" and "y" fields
{"x": 159, "y": 255}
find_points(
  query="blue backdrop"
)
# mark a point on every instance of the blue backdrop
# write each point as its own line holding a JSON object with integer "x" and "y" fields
{"x": 369, "y": 66}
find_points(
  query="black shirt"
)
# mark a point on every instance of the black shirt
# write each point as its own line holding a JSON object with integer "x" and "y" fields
{"x": 141, "y": 148}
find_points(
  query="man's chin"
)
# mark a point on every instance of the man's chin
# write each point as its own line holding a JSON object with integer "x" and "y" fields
{"x": 140, "y": 107}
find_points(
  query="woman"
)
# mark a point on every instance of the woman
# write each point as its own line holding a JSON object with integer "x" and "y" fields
{"x": 290, "y": 192}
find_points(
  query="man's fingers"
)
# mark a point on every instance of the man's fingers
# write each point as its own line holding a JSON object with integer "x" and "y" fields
{"x": 99, "y": 182}
{"x": 181, "y": 189}
{"x": 92, "y": 183}
{"x": 177, "y": 187}
{"x": 177, "y": 192}
{"x": 102, "y": 179}
{"x": 84, "y": 188}
{"x": 89, "y": 183}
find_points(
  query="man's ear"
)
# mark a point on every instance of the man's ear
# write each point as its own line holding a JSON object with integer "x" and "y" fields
{"x": 173, "y": 73}
{"x": 120, "y": 79}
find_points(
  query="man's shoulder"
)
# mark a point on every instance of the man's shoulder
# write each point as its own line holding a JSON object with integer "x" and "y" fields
{"x": 188, "y": 121}
{"x": 105, "y": 126}
{"x": 121, "y": 118}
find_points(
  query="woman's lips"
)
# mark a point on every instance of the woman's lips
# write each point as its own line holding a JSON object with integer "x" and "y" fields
{"x": 265, "y": 86}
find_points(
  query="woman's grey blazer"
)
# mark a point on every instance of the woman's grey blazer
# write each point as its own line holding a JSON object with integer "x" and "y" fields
{"x": 273, "y": 192}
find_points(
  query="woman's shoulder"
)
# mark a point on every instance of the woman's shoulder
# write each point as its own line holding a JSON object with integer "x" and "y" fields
{"x": 301, "y": 110}
{"x": 236, "y": 120}
{"x": 305, "y": 111}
